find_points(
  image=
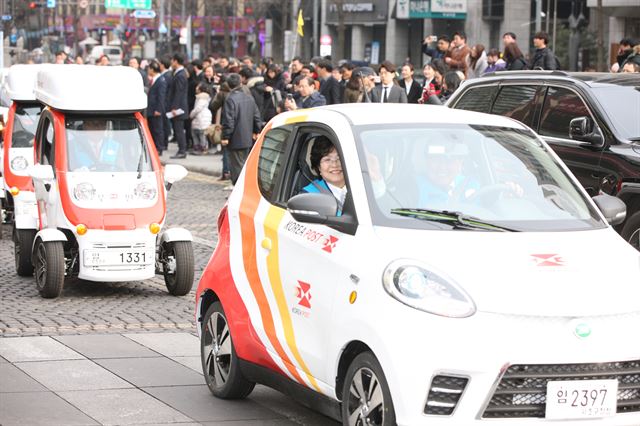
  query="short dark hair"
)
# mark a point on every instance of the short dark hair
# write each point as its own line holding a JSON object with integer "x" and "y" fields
{"x": 347, "y": 66}
{"x": 541, "y": 35}
{"x": 493, "y": 52}
{"x": 327, "y": 65}
{"x": 408, "y": 64}
{"x": 510, "y": 34}
{"x": 166, "y": 61}
{"x": 297, "y": 58}
{"x": 247, "y": 57}
{"x": 179, "y": 58}
{"x": 310, "y": 81}
{"x": 61, "y": 52}
{"x": 445, "y": 38}
{"x": 388, "y": 65}
{"x": 628, "y": 41}
{"x": 197, "y": 63}
{"x": 452, "y": 80}
{"x": 155, "y": 66}
{"x": 246, "y": 73}
{"x": 321, "y": 147}
{"x": 233, "y": 80}
{"x": 203, "y": 87}
{"x": 460, "y": 34}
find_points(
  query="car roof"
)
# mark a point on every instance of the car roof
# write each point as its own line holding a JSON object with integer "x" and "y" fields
{"x": 91, "y": 88}
{"x": 20, "y": 81}
{"x": 592, "y": 79}
{"x": 376, "y": 113}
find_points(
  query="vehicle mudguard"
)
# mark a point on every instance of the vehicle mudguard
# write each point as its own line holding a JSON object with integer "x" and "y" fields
{"x": 47, "y": 234}
{"x": 175, "y": 234}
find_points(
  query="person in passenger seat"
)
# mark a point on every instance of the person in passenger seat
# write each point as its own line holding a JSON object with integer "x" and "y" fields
{"x": 325, "y": 162}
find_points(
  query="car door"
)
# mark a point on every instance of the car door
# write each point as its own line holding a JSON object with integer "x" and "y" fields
{"x": 517, "y": 101}
{"x": 307, "y": 263}
{"x": 45, "y": 153}
{"x": 560, "y": 106}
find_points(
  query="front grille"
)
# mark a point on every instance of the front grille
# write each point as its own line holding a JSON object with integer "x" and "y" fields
{"x": 444, "y": 394}
{"x": 522, "y": 389}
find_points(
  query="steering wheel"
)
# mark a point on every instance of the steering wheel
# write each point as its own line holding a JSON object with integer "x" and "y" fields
{"x": 491, "y": 193}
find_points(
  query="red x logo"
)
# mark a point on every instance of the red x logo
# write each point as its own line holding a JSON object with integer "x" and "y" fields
{"x": 548, "y": 259}
{"x": 330, "y": 243}
{"x": 304, "y": 293}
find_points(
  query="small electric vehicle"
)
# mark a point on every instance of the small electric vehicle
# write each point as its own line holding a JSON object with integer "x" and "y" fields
{"x": 19, "y": 203}
{"x": 99, "y": 184}
{"x": 460, "y": 279}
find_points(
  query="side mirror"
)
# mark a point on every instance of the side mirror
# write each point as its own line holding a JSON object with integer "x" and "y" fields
{"x": 612, "y": 208}
{"x": 313, "y": 207}
{"x": 585, "y": 130}
{"x": 41, "y": 172}
{"x": 174, "y": 173}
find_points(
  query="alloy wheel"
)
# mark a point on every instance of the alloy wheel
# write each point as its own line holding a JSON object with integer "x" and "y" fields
{"x": 365, "y": 400}
{"x": 41, "y": 266}
{"x": 217, "y": 349}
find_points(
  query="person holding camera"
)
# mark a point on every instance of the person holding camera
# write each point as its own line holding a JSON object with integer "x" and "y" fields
{"x": 309, "y": 97}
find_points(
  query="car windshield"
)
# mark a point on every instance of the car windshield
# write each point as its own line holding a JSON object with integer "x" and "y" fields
{"x": 24, "y": 125}
{"x": 493, "y": 177}
{"x": 622, "y": 106}
{"x": 106, "y": 144}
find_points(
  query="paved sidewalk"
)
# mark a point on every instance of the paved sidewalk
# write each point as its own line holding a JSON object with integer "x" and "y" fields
{"x": 124, "y": 379}
{"x": 206, "y": 164}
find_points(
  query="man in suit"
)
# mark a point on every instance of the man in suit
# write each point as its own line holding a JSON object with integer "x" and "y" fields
{"x": 156, "y": 105}
{"x": 411, "y": 87}
{"x": 178, "y": 103}
{"x": 165, "y": 71}
{"x": 329, "y": 86}
{"x": 388, "y": 91}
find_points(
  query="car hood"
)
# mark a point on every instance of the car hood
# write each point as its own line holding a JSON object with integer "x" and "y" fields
{"x": 584, "y": 273}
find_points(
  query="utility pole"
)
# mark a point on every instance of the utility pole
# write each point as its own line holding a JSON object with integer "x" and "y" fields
{"x": 600, "y": 41}
{"x": 538, "y": 15}
{"x": 555, "y": 22}
{"x": 315, "y": 29}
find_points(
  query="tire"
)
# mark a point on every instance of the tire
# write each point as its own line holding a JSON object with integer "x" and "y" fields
{"x": 631, "y": 231}
{"x": 180, "y": 281}
{"x": 49, "y": 268}
{"x": 22, "y": 246}
{"x": 366, "y": 398}
{"x": 226, "y": 381}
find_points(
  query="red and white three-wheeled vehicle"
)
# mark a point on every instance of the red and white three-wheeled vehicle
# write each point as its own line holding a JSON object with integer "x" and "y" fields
{"x": 99, "y": 184}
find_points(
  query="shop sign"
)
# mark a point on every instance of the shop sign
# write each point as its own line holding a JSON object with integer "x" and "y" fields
{"x": 438, "y": 9}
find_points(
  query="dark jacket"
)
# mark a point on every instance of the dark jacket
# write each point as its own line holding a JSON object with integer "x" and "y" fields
{"x": 434, "y": 53}
{"x": 330, "y": 89}
{"x": 156, "y": 97}
{"x": 240, "y": 120}
{"x": 178, "y": 93}
{"x": 544, "y": 59}
{"x": 168, "y": 76}
{"x": 516, "y": 65}
{"x": 315, "y": 100}
{"x": 415, "y": 91}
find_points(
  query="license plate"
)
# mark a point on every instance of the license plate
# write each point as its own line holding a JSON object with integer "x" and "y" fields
{"x": 118, "y": 257}
{"x": 581, "y": 399}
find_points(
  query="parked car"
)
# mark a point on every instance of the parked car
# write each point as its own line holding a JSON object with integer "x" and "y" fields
{"x": 446, "y": 274}
{"x": 591, "y": 120}
{"x": 114, "y": 53}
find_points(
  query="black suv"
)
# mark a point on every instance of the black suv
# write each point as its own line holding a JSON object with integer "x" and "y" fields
{"x": 591, "y": 120}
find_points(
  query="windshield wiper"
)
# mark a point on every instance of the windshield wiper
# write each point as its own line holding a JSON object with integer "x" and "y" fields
{"x": 457, "y": 219}
{"x": 142, "y": 156}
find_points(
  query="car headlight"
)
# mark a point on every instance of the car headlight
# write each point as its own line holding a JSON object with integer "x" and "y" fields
{"x": 84, "y": 191}
{"x": 19, "y": 163}
{"x": 421, "y": 288}
{"x": 145, "y": 191}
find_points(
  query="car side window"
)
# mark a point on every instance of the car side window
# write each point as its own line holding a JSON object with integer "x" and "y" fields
{"x": 477, "y": 99}
{"x": 560, "y": 107}
{"x": 47, "y": 145}
{"x": 516, "y": 102}
{"x": 271, "y": 161}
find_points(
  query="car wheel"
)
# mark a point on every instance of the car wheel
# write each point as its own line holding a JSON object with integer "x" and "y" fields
{"x": 177, "y": 267}
{"x": 49, "y": 268}
{"x": 219, "y": 360}
{"x": 631, "y": 231}
{"x": 366, "y": 399}
{"x": 22, "y": 245}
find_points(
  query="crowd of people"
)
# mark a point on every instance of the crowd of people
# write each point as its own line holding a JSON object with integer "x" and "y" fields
{"x": 220, "y": 104}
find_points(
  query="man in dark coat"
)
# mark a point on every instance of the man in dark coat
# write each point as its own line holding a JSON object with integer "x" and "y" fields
{"x": 165, "y": 70}
{"x": 308, "y": 98}
{"x": 329, "y": 86}
{"x": 544, "y": 58}
{"x": 442, "y": 47}
{"x": 156, "y": 106}
{"x": 178, "y": 104}
{"x": 241, "y": 123}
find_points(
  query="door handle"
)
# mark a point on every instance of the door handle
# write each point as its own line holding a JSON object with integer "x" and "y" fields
{"x": 266, "y": 244}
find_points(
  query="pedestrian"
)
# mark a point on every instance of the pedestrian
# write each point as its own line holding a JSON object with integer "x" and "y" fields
{"x": 477, "y": 61}
{"x": 178, "y": 103}
{"x": 625, "y": 49}
{"x": 388, "y": 91}
{"x": 308, "y": 96}
{"x": 295, "y": 68}
{"x": 134, "y": 62}
{"x": 241, "y": 123}
{"x": 633, "y": 58}
{"x": 200, "y": 119}
{"x": 508, "y": 38}
{"x": 216, "y": 106}
{"x": 156, "y": 106}
{"x": 329, "y": 86}
{"x": 442, "y": 46}
{"x": 543, "y": 58}
{"x": 209, "y": 79}
{"x": 457, "y": 58}
{"x": 411, "y": 87}
{"x": 275, "y": 87}
{"x": 360, "y": 84}
{"x": 494, "y": 62}
{"x": 61, "y": 57}
{"x": 450, "y": 84}
{"x": 514, "y": 58}
{"x": 431, "y": 94}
